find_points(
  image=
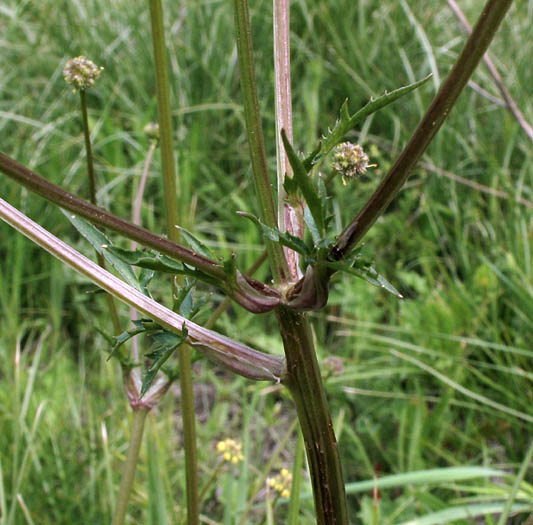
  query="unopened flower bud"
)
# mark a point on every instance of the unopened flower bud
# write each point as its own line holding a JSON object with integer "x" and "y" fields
{"x": 81, "y": 72}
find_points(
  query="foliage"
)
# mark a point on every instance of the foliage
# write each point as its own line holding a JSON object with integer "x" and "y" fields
{"x": 460, "y": 257}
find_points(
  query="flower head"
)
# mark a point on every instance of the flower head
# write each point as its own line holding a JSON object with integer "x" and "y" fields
{"x": 350, "y": 160}
{"x": 281, "y": 483}
{"x": 151, "y": 130}
{"x": 230, "y": 450}
{"x": 81, "y": 72}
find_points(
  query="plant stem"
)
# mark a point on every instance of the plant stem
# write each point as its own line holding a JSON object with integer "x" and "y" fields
{"x": 112, "y": 307}
{"x": 88, "y": 148}
{"x": 305, "y": 384}
{"x": 256, "y": 142}
{"x": 231, "y": 354}
{"x": 303, "y": 375}
{"x": 251, "y": 294}
{"x": 490, "y": 19}
{"x": 128, "y": 472}
{"x": 102, "y": 217}
{"x": 172, "y": 219}
{"x": 290, "y": 215}
{"x": 294, "y": 503}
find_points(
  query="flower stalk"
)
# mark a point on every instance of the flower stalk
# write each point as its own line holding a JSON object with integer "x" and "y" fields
{"x": 130, "y": 465}
{"x": 256, "y": 142}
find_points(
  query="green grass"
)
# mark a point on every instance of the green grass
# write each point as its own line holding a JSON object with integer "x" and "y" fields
{"x": 460, "y": 256}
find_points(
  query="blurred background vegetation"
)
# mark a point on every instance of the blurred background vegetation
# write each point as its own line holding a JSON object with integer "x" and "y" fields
{"x": 441, "y": 378}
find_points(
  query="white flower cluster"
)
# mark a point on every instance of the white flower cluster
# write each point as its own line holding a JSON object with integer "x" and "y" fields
{"x": 81, "y": 72}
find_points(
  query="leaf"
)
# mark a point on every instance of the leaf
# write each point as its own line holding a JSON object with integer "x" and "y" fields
{"x": 466, "y": 512}
{"x": 364, "y": 271}
{"x": 311, "y": 225}
{"x": 423, "y": 477}
{"x": 305, "y": 184}
{"x": 158, "y": 262}
{"x": 346, "y": 123}
{"x": 284, "y": 238}
{"x": 140, "y": 326}
{"x": 102, "y": 244}
{"x": 196, "y": 244}
{"x": 165, "y": 343}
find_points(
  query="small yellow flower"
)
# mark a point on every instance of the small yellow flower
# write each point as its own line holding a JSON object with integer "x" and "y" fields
{"x": 81, "y": 72}
{"x": 230, "y": 451}
{"x": 281, "y": 483}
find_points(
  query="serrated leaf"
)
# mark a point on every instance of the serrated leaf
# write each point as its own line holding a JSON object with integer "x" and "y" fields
{"x": 184, "y": 301}
{"x": 290, "y": 186}
{"x": 159, "y": 262}
{"x": 195, "y": 243}
{"x": 309, "y": 192}
{"x": 139, "y": 326}
{"x": 165, "y": 343}
{"x": 284, "y": 238}
{"x": 366, "y": 272}
{"x": 346, "y": 122}
{"x": 309, "y": 160}
{"x": 102, "y": 244}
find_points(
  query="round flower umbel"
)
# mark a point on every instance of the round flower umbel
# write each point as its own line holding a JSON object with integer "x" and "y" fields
{"x": 81, "y": 72}
{"x": 281, "y": 483}
{"x": 230, "y": 450}
{"x": 350, "y": 160}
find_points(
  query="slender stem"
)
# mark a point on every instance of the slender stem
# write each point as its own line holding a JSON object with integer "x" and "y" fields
{"x": 290, "y": 214}
{"x": 492, "y": 15}
{"x": 231, "y": 354}
{"x": 294, "y": 503}
{"x": 112, "y": 307}
{"x": 172, "y": 219}
{"x": 256, "y": 143}
{"x": 305, "y": 384}
{"x": 211, "y": 480}
{"x": 516, "y": 485}
{"x": 165, "y": 123}
{"x": 510, "y": 102}
{"x": 136, "y": 219}
{"x": 128, "y": 472}
{"x": 88, "y": 148}
{"x": 101, "y": 217}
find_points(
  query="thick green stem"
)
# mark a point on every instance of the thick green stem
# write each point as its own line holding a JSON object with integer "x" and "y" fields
{"x": 128, "y": 472}
{"x": 172, "y": 219}
{"x": 256, "y": 142}
{"x": 490, "y": 19}
{"x": 305, "y": 384}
